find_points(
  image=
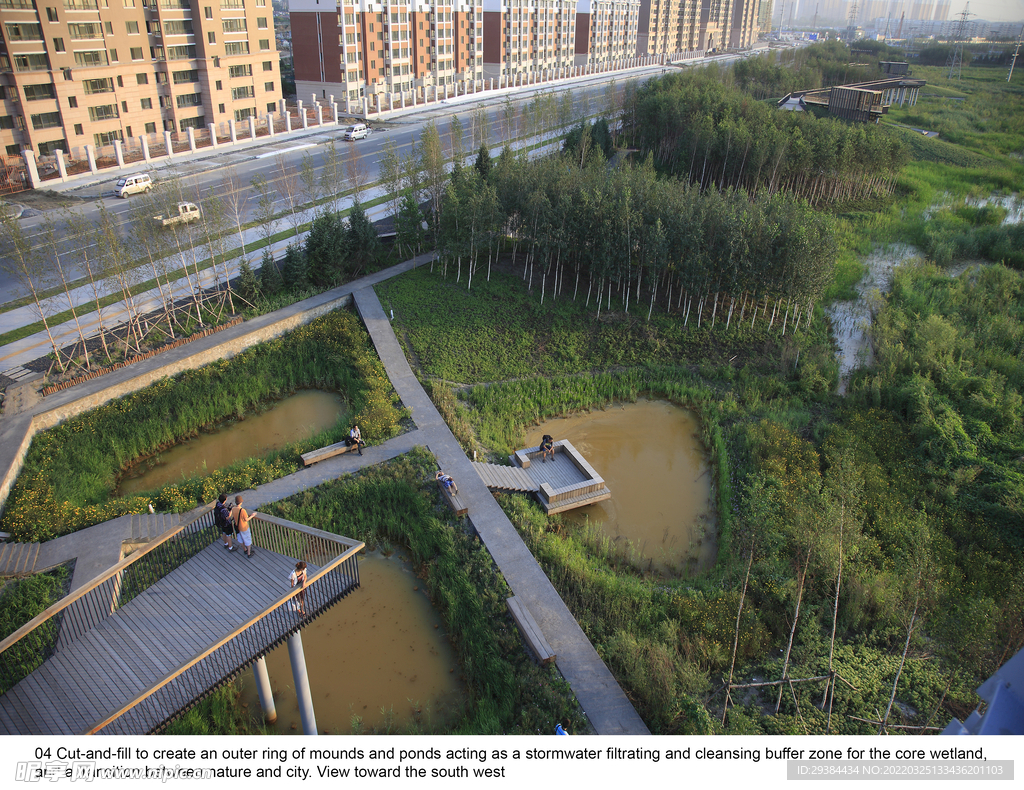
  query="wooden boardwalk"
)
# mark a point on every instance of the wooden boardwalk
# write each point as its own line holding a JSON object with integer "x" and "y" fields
{"x": 198, "y": 604}
{"x": 506, "y": 478}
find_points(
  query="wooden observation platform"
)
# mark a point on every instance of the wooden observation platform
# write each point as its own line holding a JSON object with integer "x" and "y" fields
{"x": 564, "y": 482}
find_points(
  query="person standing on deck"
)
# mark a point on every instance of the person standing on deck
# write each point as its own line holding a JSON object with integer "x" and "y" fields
{"x": 222, "y": 518}
{"x": 241, "y": 519}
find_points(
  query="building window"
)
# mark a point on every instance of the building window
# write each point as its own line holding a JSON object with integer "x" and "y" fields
{"x": 58, "y": 45}
{"x": 264, "y": 44}
{"x": 98, "y": 86}
{"x": 241, "y": 115}
{"x": 208, "y": 12}
{"x": 136, "y": 53}
{"x": 124, "y": 109}
{"x": 211, "y": 37}
{"x": 132, "y": 27}
{"x": 46, "y": 120}
{"x": 142, "y": 79}
{"x": 180, "y": 77}
{"x": 151, "y": 128}
{"x": 236, "y": 48}
{"x": 106, "y": 138}
{"x": 182, "y": 53}
{"x": 51, "y": 14}
{"x": 156, "y": 53}
{"x": 240, "y": 71}
{"x": 220, "y": 108}
{"x": 96, "y": 57}
{"x": 38, "y": 92}
{"x": 6, "y": 121}
{"x": 36, "y": 62}
{"x": 72, "y": 101}
{"x": 103, "y": 113}
{"x": 220, "y": 85}
{"x": 271, "y": 106}
{"x": 268, "y": 87}
{"x": 194, "y": 123}
{"x": 113, "y": 56}
{"x": 245, "y": 92}
{"x": 52, "y": 147}
{"x": 78, "y": 129}
{"x": 189, "y": 100}
{"x": 85, "y": 31}
{"x": 147, "y": 104}
{"x": 24, "y": 31}
{"x": 268, "y": 65}
{"x": 178, "y": 27}
{"x": 109, "y": 26}
{"x": 261, "y": 22}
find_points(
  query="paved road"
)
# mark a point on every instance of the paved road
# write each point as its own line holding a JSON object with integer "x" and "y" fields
{"x": 280, "y": 158}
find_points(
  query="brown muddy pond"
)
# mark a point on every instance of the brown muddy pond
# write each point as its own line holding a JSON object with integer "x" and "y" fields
{"x": 381, "y": 655}
{"x": 652, "y": 459}
{"x": 292, "y": 419}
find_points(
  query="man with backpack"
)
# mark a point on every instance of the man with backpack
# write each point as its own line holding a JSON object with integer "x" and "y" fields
{"x": 222, "y": 518}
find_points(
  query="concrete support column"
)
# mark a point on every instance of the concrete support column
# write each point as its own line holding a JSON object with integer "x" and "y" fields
{"x": 168, "y": 144}
{"x": 119, "y": 152}
{"x": 90, "y": 154}
{"x": 252, "y": 128}
{"x": 233, "y": 130}
{"x": 304, "y": 698}
{"x": 302, "y": 110}
{"x": 30, "y": 167}
{"x": 62, "y": 167}
{"x": 282, "y": 106}
{"x": 348, "y": 105}
{"x": 259, "y": 669}
{"x": 366, "y": 106}
{"x": 191, "y": 139}
{"x": 213, "y": 134}
{"x": 270, "y": 124}
{"x": 288, "y": 122}
{"x": 391, "y": 102}
{"x": 305, "y": 118}
{"x": 320, "y": 115}
{"x": 144, "y": 142}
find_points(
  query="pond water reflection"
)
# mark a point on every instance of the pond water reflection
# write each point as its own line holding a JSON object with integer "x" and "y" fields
{"x": 292, "y": 419}
{"x": 381, "y": 655}
{"x": 651, "y": 456}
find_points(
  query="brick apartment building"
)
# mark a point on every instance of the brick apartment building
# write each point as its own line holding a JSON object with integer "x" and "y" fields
{"x": 76, "y": 72}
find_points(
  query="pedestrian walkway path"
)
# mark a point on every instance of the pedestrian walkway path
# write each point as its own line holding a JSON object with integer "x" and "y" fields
{"x": 605, "y": 704}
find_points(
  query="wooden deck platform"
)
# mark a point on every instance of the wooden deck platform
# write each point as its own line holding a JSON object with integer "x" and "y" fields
{"x": 197, "y": 604}
{"x": 563, "y": 482}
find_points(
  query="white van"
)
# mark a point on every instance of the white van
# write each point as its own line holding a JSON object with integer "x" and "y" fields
{"x": 133, "y": 185}
{"x": 357, "y": 132}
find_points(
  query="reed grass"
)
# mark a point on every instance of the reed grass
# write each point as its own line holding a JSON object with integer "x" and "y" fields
{"x": 71, "y": 471}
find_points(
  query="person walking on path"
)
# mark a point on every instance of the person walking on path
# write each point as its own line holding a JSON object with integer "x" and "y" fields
{"x": 298, "y": 579}
{"x": 241, "y": 519}
{"x": 222, "y": 518}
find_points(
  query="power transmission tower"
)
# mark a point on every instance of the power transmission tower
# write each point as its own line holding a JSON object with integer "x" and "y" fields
{"x": 851, "y": 28}
{"x": 1016, "y": 50}
{"x": 956, "y": 55}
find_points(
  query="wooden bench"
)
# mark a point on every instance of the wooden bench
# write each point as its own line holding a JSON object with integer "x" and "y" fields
{"x": 310, "y": 458}
{"x": 454, "y": 500}
{"x": 531, "y": 631}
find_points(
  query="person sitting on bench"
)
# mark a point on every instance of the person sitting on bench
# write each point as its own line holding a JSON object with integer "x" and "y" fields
{"x": 355, "y": 439}
{"x": 447, "y": 481}
{"x": 547, "y": 448}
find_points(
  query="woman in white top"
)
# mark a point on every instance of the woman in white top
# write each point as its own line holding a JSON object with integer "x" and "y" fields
{"x": 298, "y": 579}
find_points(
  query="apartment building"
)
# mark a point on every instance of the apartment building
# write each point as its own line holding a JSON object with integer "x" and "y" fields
{"x": 668, "y": 26}
{"x": 93, "y": 71}
{"x": 384, "y": 52}
{"x": 524, "y": 36}
{"x": 606, "y": 31}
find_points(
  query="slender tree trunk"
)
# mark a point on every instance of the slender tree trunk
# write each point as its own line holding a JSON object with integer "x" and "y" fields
{"x": 792, "y": 631}
{"x": 736, "y": 634}
{"x": 903, "y": 660}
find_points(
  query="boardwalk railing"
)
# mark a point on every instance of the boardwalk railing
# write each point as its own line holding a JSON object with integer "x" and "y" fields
{"x": 336, "y": 575}
{"x": 65, "y": 621}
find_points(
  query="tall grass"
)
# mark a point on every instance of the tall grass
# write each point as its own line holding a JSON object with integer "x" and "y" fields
{"x": 71, "y": 471}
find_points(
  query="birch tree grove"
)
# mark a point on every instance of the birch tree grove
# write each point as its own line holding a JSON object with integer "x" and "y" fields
{"x": 643, "y": 239}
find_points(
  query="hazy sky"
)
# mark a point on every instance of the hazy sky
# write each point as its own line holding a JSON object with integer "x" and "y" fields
{"x": 996, "y": 10}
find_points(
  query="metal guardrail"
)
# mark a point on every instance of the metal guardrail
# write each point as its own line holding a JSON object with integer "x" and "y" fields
{"x": 222, "y": 660}
{"x": 65, "y": 621}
